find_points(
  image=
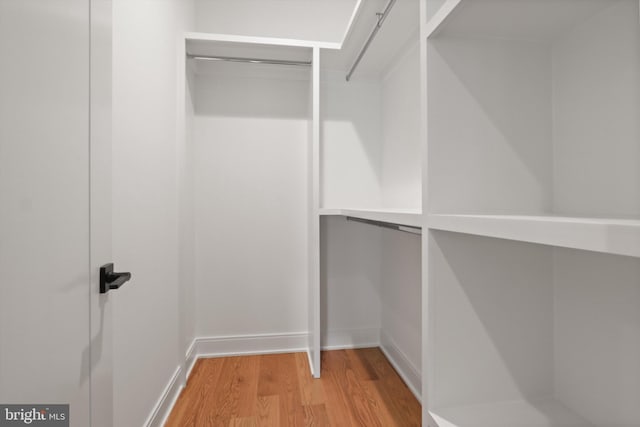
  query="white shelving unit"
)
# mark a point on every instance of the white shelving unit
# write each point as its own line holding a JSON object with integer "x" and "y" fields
{"x": 370, "y": 169}
{"x": 533, "y": 243}
{"x": 252, "y": 108}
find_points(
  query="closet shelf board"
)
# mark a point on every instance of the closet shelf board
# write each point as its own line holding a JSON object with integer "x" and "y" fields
{"x": 524, "y": 20}
{"x": 540, "y": 413}
{"x": 607, "y": 235}
{"x": 408, "y": 217}
{"x": 265, "y": 41}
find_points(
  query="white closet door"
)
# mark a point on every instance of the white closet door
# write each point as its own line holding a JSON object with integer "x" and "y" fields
{"x": 47, "y": 278}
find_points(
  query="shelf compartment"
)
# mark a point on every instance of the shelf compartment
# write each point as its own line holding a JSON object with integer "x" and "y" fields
{"x": 408, "y": 217}
{"x": 528, "y": 323}
{"x": 548, "y": 95}
{"x": 541, "y": 413}
{"x": 607, "y": 235}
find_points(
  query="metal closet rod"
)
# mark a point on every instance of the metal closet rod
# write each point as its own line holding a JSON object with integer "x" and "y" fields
{"x": 381, "y": 17}
{"x": 250, "y": 60}
{"x": 398, "y": 227}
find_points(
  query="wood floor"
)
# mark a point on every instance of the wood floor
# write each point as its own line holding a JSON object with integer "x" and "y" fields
{"x": 357, "y": 388}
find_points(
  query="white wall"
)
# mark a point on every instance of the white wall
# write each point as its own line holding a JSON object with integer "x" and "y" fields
{"x": 350, "y": 257}
{"x": 251, "y": 203}
{"x": 147, "y": 344}
{"x": 596, "y": 340}
{"x": 491, "y": 312}
{"x": 401, "y": 304}
{"x": 596, "y": 93}
{"x": 489, "y": 117}
{"x": 351, "y": 147}
{"x": 401, "y": 161}
{"x": 316, "y": 20}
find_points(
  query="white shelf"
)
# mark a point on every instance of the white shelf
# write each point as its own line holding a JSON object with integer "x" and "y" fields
{"x": 251, "y": 40}
{"x": 608, "y": 235}
{"x": 524, "y": 20}
{"x": 410, "y": 217}
{"x": 542, "y": 413}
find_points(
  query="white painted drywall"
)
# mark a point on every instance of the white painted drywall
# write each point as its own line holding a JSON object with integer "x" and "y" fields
{"x": 251, "y": 203}
{"x": 350, "y": 256}
{"x": 316, "y": 20}
{"x": 596, "y": 93}
{"x": 489, "y": 126}
{"x": 351, "y": 147}
{"x": 146, "y": 219}
{"x": 596, "y": 340}
{"x": 44, "y": 204}
{"x": 400, "y": 297}
{"x": 491, "y": 304}
{"x": 401, "y": 161}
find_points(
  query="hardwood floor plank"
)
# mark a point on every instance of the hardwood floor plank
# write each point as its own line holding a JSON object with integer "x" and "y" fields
{"x": 361, "y": 365}
{"x": 243, "y": 422}
{"x": 395, "y": 394}
{"x": 311, "y": 391}
{"x": 192, "y": 400}
{"x": 357, "y": 388}
{"x": 268, "y": 408}
{"x": 247, "y": 372}
{"x": 278, "y": 376}
{"x": 316, "y": 416}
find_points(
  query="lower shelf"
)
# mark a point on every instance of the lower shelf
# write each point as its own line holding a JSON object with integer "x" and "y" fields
{"x": 540, "y": 413}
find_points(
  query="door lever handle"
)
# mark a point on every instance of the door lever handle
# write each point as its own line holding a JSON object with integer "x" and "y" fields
{"x": 111, "y": 280}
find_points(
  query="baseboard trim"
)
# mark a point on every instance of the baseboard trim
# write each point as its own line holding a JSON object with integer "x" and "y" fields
{"x": 407, "y": 371}
{"x": 250, "y": 344}
{"x": 190, "y": 359}
{"x": 167, "y": 400}
{"x": 341, "y": 339}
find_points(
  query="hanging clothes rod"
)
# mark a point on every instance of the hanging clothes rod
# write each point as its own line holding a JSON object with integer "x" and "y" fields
{"x": 381, "y": 17}
{"x": 250, "y": 60}
{"x": 398, "y": 227}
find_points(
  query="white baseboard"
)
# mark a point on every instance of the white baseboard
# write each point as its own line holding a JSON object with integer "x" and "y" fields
{"x": 250, "y": 344}
{"x": 407, "y": 371}
{"x": 163, "y": 408}
{"x": 190, "y": 359}
{"x": 339, "y": 339}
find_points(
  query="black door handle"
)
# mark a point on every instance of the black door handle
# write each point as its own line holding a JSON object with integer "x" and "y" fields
{"x": 110, "y": 280}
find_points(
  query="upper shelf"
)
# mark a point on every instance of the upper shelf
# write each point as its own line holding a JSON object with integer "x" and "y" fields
{"x": 526, "y": 20}
{"x": 287, "y": 53}
{"x": 408, "y": 217}
{"x": 252, "y": 40}
{"x": 608, "y": 235}
{"x": 247, "y": 47}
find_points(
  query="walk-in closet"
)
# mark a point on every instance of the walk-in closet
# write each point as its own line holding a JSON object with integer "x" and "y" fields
{"x": 307, "y": 188}
{"x": 385, "y": 213}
